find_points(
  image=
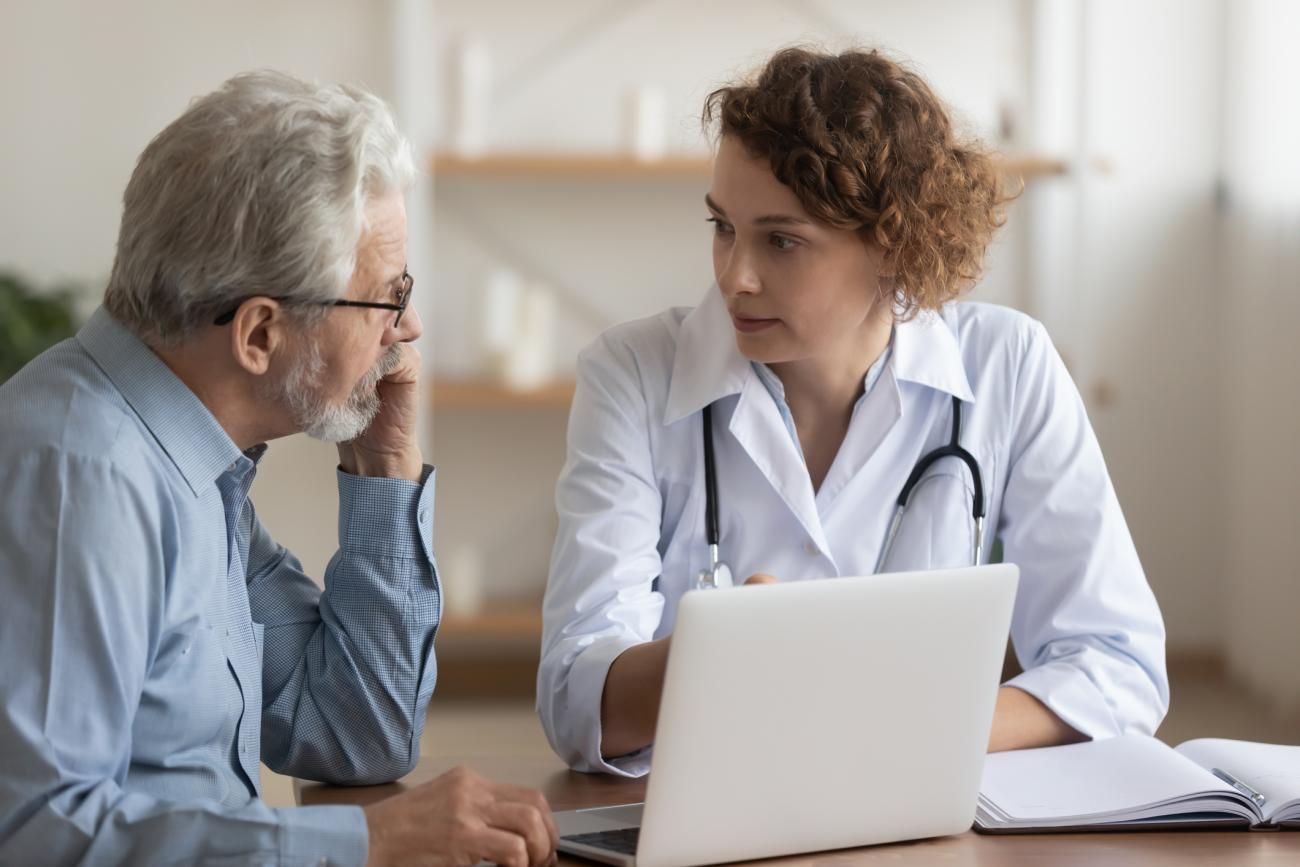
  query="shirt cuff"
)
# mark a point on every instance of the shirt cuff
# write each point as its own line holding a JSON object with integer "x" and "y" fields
{"x": 387, "y": 517}
{"x": 1067, "y": 692}
{"x": 587, "y": 685}
{"x": 324, "y": 835}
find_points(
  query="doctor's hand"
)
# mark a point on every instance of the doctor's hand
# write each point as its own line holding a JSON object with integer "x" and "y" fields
{"x": 761, "y": 578}
{"x": 459, "y": 819}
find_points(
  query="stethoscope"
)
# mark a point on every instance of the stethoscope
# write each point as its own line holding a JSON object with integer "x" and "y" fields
{"x": 718, "y": 573}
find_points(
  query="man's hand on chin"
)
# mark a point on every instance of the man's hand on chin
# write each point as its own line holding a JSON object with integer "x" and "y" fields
{"x": 389, "y": 447}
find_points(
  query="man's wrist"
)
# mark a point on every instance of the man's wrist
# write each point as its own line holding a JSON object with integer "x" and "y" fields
{"x": 407, "y": 465}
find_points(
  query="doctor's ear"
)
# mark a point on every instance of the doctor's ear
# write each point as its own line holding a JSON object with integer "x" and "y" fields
{"x": 885, "y": 261}
{"x": 886, "y": 264}
{"x": 259, "y": 329}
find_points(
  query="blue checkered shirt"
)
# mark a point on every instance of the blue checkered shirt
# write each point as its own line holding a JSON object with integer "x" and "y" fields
{"x": 157, "y": 642}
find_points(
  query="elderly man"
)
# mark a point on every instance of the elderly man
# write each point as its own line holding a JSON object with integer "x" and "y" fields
{"x": 156, "y": 642}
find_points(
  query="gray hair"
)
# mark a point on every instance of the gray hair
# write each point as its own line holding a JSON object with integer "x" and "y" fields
{"x": 259, "y": 188}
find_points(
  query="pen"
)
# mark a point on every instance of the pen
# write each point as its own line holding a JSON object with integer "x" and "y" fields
{"x": 1238, "y": 785}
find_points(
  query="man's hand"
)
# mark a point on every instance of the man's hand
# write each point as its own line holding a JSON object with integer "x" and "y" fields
{"x": 390, "y": 447}
{"x": 460, "y": 819}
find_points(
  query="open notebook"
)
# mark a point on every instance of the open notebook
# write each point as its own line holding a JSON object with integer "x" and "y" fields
{"x": 1138, "y": 783}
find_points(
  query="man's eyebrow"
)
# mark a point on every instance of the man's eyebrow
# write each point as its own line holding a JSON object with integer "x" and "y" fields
{"x": 769, "y": 220}
{"x": 395, "y": 282}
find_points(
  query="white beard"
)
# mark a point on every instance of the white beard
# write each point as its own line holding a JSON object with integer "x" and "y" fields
{"x": 301, "y": 393}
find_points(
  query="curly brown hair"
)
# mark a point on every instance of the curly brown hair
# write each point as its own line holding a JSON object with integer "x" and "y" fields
{"x": 865, "y": 144}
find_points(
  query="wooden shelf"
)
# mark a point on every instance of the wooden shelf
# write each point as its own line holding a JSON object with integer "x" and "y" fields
{"x": 469, "y": 394}
{"x": 1030, "y": 166}
{"x": 568, "y": 164}
{"x": 560, "y": 164}
{"x": 509, "y": 622}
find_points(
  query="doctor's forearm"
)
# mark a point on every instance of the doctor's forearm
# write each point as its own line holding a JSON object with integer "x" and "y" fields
{"x": 629, "y": 704}
{"x": 1021, "y": 722}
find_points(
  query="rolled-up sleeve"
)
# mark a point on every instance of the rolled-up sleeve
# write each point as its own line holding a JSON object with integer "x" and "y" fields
{"x": 600, "y": 599}
{"x": 348, "y": 673}
{"x": 81, "y": 577}
{"x": 1086, "y": 626}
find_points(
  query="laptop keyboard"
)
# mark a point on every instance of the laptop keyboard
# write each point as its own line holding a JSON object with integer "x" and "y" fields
{"x": 622, "y": 841}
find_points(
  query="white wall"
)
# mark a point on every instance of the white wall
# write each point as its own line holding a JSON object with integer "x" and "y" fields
{"x": 87, "y": 84}
{"x": 1260, "y": 304}
{"x": 1148, "y": 312}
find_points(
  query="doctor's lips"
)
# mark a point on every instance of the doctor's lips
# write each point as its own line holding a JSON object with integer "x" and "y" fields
{"x": 749, "y": 325}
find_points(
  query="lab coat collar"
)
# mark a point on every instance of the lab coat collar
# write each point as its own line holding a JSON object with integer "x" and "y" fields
{"x": 708, "y": 366}
{"x": 926, "y": 352}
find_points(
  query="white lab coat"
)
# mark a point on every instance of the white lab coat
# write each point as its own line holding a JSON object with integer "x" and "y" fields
{"x": 630, "y": 499}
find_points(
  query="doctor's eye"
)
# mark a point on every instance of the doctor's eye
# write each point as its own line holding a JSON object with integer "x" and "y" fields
{"x": 781, "y": 242}
{"x": 719, "y": 227}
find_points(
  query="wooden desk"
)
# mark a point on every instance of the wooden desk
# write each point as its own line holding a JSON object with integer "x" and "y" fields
{"x": 567, "y": 790}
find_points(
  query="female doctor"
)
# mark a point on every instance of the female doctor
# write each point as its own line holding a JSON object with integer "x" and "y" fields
{"x": 830, "y": 360}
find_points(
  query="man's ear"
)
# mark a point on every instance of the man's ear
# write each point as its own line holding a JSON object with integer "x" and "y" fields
{"x": 257, "y": 332}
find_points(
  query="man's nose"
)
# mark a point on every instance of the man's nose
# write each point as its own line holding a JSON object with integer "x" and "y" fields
{"x": 411, "y": 326}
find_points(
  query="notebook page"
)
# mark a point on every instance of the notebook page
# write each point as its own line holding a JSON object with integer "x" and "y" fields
{"x": 1107, "y": 777}
{"x": 1271, "y": 769}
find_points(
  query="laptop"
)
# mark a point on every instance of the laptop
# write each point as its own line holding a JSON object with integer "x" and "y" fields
{"x": 815, "y": 715}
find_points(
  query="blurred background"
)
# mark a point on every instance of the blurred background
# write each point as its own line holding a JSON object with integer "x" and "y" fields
{"x": 1158, "y": 238}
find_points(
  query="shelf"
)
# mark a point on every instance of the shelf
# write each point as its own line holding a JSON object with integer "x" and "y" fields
{"x": 568, "y": 164}
{"x": 1030, "y": 166}
{"x": 508, "y": 622}
{"x": 470, "y": 394}
{"x": 560, "y": 164}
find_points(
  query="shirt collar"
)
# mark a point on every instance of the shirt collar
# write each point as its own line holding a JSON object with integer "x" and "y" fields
{"x": 708, "y": 365}
{"x": 189, "y": 434}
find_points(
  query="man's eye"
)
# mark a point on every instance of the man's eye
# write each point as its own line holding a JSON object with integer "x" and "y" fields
{"x": 781, "y": 242}
{"x": 719, "y": 227}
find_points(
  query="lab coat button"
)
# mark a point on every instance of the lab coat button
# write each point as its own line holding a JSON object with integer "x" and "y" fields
{"x": 811, "y": 548}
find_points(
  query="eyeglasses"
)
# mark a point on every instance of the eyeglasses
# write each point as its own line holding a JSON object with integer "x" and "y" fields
{"x": 403, "y": 298}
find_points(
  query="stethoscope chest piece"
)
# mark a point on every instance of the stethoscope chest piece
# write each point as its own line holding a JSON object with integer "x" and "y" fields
{"x": 716, "y": 577}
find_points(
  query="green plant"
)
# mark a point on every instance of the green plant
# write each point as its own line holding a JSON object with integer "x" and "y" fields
{"x": 31, "y": 322}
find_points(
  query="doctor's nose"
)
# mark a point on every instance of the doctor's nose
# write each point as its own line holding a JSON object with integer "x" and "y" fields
{"x": 736, "y": 276}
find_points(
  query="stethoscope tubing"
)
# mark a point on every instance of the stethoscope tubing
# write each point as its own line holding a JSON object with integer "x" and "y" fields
{"x": 710, "y": 494}
{"x": 953, "y": 449}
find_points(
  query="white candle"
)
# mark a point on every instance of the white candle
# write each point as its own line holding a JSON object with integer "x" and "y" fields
{"x": 472, "y": 99}
{"x": 500, "y": 318}
{"x": 648, "y": 122}
{"x": 532, "y": 359}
